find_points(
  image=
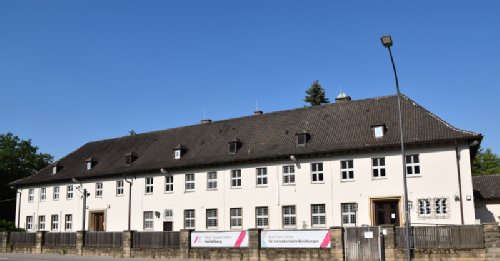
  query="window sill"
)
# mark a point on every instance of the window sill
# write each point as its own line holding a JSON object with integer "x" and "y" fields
{"x": 379, "y": 178}
{"x": 235, "y": 187}
{"x": 189, "y": 191}
{"x": 317, "y": 182}
{"x": 119, "y": 195}
{"x": 288, "y": 184}
{"x": 261, "y": 186}
{"x": 168, "y": 192}
{"x": 347, "y": 180}
{"x": 413, "y": 175}
{"x": 211, "y": 189}
{"x": 148, "y": 194}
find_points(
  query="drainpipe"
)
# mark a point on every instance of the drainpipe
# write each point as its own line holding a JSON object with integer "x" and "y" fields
{"x": 19, "y": 210}
{"x": 129, "y": 200}
{"x": 457, "y": 155}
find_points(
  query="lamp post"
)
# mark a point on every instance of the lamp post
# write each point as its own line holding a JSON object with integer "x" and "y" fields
{"x": 387, "y": 42}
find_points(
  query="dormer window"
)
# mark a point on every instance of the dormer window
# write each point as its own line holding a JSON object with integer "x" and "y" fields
{"x": 179, "y": 151}
{"x": 378, "y": 131}
{"x": 56, "y": 168}
{"x": 302, "y": 138}
{"x": 177, "y": 154}
{"x": 234, "y": 145}
{"x": 130, "y": 158}
{"x": 90, "y": 163}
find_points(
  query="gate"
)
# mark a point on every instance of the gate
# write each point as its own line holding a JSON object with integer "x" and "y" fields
{"x": 362, "y": 244}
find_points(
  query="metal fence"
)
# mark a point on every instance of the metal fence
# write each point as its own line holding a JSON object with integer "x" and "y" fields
{"x": 22, "y": 239}
{"x": 156, "y": 240}
{"x": 59, "y": 239}
{"x": 461, "y": 237}
{"x": 103, "y": 239}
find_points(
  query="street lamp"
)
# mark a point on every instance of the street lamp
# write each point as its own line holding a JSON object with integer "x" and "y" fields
{"x": 387, "y": 43}
{"x": 84, "y": 203}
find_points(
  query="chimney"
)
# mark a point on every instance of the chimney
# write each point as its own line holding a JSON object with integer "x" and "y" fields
{"x": 342, "y": 97}
{"x": 206, "y": 121}
{"x": 258, "y": 112}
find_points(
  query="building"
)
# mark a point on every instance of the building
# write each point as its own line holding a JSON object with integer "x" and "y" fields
{"x": 330, "y": 165}
{"x": 487, "y": 197}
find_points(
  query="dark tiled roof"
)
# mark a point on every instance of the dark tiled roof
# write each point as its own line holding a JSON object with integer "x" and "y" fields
{"x": 487, "y": 186}
{"x": 333, "y": 128}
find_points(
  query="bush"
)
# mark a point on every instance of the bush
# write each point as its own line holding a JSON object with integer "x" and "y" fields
{"x": 8, "y": 226}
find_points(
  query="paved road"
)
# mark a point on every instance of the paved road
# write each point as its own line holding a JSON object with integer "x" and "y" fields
{"x": 46, "y": 257}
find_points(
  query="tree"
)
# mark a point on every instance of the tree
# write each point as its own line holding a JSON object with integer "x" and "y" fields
{"x": 316, "y": 94}
{"x": 486, "y": 163}
{"x": 18, "y": 159}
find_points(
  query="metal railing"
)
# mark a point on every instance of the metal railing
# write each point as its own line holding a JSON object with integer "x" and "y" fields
{"x": 53, "y": 239}
{"x": 436, "y": 237}
{"x": 22, "y": 239}
{"x": 156, "y": 240}
{"x": 103, "y": 239}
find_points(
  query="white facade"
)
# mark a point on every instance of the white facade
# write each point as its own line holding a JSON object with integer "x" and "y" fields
{"x": 436, "y": 185}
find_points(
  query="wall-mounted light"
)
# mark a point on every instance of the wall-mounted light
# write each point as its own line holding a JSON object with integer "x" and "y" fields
{"x": 157, "y": 214}
{"x": 468, "y": 197}
{"x": 457, "y": 197}
{"x": 293, "y": 158}
{"x": 109, "y": 206}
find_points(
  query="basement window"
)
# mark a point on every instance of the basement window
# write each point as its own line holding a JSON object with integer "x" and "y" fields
{"x": 302, "y": 138}
{"x": 378, "y": 131}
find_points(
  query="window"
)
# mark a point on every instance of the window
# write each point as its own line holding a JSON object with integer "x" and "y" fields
{"x": 148, "y": 220}
{"x": 378, "y": 167}
{"x": 378, "y": 131}
{"x": 262, "y": 217}
{"x": 318, "y": 215}
{"x": 212, "y": 180}
{"x": 441, "y": 206}
{"x": 189, "y": 182}
{"x": 169, "y": 183}
{"x": 189, "y": 219}
{"x": 54, "y": 222}
{"x": 347, "y": 169}
{"x": 41, "y": 222}
{"x": 236, "y": 178}
{"x": 43, "y": 194}
{"x": 424, "y": 207}
{"x": 68, "y": 222}
{"x": 302, "y": 139}
{"x": 54, "y": 170}
{"x": 212, "y": 218}
{"x": 177, "y": 154}
{"x": 289, "y": 217}
{"x": 55, "y": 196}
{"x": 31, "y": 195}
{"x": 69, "y": 192}
{"x": 349, "y": 213}
{"x": 89, "y": 165}
{"x": 233, "y": 147}
{"x": 119, "y": 187}
{"x": 261, "y": 176}
{"x": 98, "y": 190}
{"x": 412, "y": 165}
{"x": 317, "y": 172}
{"x": 29, "y": 222}
{"x": 149, "y": 185}
{"x": 236, "y": 218}
{"x": 289, "y": 174}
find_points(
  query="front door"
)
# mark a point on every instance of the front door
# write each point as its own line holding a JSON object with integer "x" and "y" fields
{"x": 97, "y": 221}
{"x": 168, "y": 226}
{"x": 386, "y": 212}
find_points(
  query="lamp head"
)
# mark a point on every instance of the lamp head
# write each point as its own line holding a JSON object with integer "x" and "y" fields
{"x": 386, "y": 41}
{"x": 75, "y": 180}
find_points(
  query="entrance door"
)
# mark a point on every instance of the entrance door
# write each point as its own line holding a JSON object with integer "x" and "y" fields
{"x": 168, "y": 226}
{"x": 97, "y": 221}
{"x": 387, "y": 212}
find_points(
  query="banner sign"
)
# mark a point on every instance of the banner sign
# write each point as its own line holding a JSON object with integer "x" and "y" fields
{"x": 220, "y": 239}
{"x": 295, "y": 239}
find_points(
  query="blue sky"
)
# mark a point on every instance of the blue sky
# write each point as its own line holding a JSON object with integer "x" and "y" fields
{"x": 78, "y": 71}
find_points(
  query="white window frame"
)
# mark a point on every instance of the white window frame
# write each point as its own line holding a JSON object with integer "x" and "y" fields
{"x": 190, "y": 182}
{"x": 189, "y": 219}
{"x": 120, "y": 184}
{"x": 262, "y": 217}
{"x": 379, "y": 131}
{"x": 212, "y": 218}
{"x": 236, "y": 218}
{"x": 413, "y": 165}
{"x": 378, "y": 168}
{"x": 31, "y": 195}
{"x": 318, "y": 215}
{"x": 317, "y": 175}
{"x": 41, "y": 222}
{"x": 177, "y": 154}
{"x": 148, "y": 220}
{"x": 29, "y": 223}
{"x": 424, "y": 207}
{"x": 212, "y": 180}
{"x": 149, "y": 185}
{"x": 68, "y": 222}
{"x": 349, "y": 213}
{"x": 69, "y": 192}
{"x": 98, "y": 189}
{"x": 261, "y": 174}
{"x": 43, "y": 194}
{"x": 347, "y": 171}
{"x": 55, "y": 193}
{"x": 288, "y": 174}
{"x": 441, "y": 207}
{"x": 236, "y": 178}
{"x": 169, "y": 183}
{"x": 54, "y": 222}
{"x": 289, "y": 216}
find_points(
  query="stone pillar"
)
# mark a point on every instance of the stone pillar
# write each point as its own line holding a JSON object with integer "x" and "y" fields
{"x": 40, "y": 236}
{"x": 254, "y": 244}
{"x": 4, "y": 237}
{"x": 337, "y": 243}
{"x": 388, "y": 242}
{"x": 80, "y": 242}
{"x": 492, "y": 241}
{"x": 128, "y": 237}
{"x": 185, "y": 244}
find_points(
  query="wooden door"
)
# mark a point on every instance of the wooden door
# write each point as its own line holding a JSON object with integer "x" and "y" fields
{"x": 387, "y": 212}
{"x": 98, "y": 221}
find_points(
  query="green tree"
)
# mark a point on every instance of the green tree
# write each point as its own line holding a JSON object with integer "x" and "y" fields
{"x": 316, "y": 94}
{"x": 486, "y": 163}
{"x": 18, "y": 159}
